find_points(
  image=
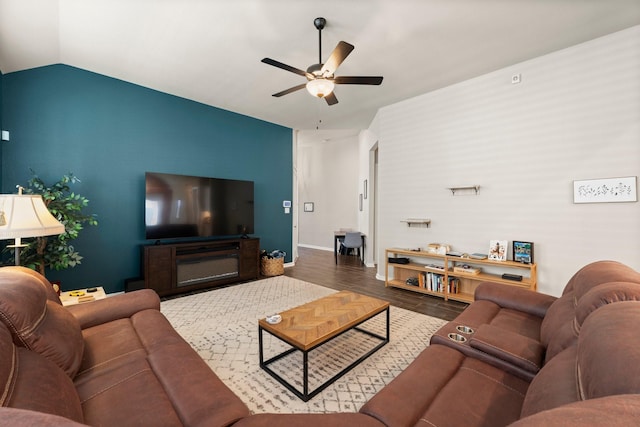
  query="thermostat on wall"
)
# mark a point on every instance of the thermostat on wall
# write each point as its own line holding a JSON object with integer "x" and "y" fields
{"x": 286, "y": 204}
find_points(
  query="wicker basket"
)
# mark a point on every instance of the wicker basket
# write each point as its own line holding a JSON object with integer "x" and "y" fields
{"x": 272, "y": 266}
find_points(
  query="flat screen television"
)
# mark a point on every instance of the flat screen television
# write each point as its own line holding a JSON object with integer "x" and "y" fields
{"x": 182, "y": 206}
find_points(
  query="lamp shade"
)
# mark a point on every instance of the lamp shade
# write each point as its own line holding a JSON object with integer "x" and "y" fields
{"x": 23, "y": 215}
{"x": 320, "y": 87}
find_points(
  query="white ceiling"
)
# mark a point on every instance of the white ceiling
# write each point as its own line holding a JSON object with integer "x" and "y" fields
{"x": 210, "y": 50}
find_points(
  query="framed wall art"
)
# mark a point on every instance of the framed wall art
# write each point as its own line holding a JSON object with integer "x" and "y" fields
{"x": 523, "y": 252}
{"x": 605, "y": 190}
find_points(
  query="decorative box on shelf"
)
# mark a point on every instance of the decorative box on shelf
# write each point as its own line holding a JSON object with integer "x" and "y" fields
{"x": 466, "y": 269}
{"x": 438, "y": 248}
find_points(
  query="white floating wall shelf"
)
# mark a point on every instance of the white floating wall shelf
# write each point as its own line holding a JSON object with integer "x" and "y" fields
{"x": 475, "y": 188}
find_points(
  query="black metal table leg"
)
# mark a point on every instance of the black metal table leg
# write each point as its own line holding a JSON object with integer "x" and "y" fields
{"x": 305, "y": 373}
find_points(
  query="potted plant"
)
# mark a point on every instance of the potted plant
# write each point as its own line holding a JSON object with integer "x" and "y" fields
{"x": 57, "y": 252}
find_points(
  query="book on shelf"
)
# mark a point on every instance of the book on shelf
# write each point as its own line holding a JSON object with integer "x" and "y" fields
{"x": 477, "y": 255}
{"x": 454, "y": 285}
{"x": 435, "y": 282}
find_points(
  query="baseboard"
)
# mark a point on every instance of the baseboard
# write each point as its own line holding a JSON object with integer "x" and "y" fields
{"x": 322, "y": 248}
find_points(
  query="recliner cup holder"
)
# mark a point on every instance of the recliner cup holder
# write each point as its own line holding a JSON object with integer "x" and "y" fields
{"x": 457, "y": 337}
{"x": 465, "y": 329}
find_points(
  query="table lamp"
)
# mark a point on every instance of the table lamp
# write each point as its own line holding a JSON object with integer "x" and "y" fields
{"x": 25, "y": 215}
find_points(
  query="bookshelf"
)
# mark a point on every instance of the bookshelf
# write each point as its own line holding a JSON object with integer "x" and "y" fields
{"x": 445, "y": 276}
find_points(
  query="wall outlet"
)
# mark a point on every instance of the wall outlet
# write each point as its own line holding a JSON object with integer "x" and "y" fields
{"x": 515, "y": 79}
{"x": 5, "y": 135}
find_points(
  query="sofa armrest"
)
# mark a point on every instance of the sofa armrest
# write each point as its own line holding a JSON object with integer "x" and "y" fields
{"x": 119, "y": 306}
{"x": 511, "y": 347}
{"x": 515, "y": 298}
{"x": 617, "y": 410}
{"x": 24, "y": 418}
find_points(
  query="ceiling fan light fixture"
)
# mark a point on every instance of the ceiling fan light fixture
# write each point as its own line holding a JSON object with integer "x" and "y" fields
{"x": 321, "y": 78}
{"x": 320, "y": 87}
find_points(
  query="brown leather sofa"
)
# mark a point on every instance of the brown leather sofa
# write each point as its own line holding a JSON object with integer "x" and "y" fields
{"x": 111, "y": 362}
{"x": 537, "y": 361}
{"x": 528, "y": 353}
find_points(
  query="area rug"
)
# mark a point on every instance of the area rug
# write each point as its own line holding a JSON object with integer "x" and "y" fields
{"x": 222, "y": 326}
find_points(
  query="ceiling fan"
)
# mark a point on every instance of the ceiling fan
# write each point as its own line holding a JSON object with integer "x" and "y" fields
{"x": 320, "y": 77}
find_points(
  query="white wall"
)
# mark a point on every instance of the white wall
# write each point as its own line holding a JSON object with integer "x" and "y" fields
{"x": 575, "y": 115}
{"x": 367, "y": 141}
{"x": 328, "y": 175}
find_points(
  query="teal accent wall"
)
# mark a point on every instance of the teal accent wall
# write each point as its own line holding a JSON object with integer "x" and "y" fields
{"x": 109, "y": 132}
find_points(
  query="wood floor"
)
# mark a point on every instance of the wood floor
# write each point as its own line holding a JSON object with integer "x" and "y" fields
{"x": 319, "y": 267}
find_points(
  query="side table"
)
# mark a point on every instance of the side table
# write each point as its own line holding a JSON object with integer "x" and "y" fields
{"x": 79, "y": 296}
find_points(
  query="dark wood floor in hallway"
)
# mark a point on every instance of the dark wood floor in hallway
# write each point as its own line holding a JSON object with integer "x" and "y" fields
{"x": 318, "y": 266}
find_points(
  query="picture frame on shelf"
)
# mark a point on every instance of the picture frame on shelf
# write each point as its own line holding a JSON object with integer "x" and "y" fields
{"x": 522, "y": 252}
{"x": 498, "y": 250}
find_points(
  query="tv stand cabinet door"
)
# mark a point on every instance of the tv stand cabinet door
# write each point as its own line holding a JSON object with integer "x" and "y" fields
{"x": 249, "y": 259}
{"x": 158, "y": 268}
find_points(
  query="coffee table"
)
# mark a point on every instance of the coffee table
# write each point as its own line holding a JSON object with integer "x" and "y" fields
{"x": 313, "y": 324}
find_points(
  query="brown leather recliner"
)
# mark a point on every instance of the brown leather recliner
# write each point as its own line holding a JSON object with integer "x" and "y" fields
{"x": 519, "y": 330}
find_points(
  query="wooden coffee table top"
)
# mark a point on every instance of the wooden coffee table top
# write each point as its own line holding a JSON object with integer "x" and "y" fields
{"x": 318, "y": 321}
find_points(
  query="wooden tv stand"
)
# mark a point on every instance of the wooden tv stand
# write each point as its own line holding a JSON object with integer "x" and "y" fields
{"x": 182, "y": 267}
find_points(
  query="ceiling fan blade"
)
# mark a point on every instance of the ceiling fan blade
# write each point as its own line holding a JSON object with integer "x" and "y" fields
{"x": 342, "y": 50}
{"x": 291, "y": 89}
{"x": 357, "y": 80}
{"x": 331, "y": 99}
{"x": 287, "y": 67}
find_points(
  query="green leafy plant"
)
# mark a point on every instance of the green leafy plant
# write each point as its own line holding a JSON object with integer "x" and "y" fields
{"x": 57, "y": 252}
